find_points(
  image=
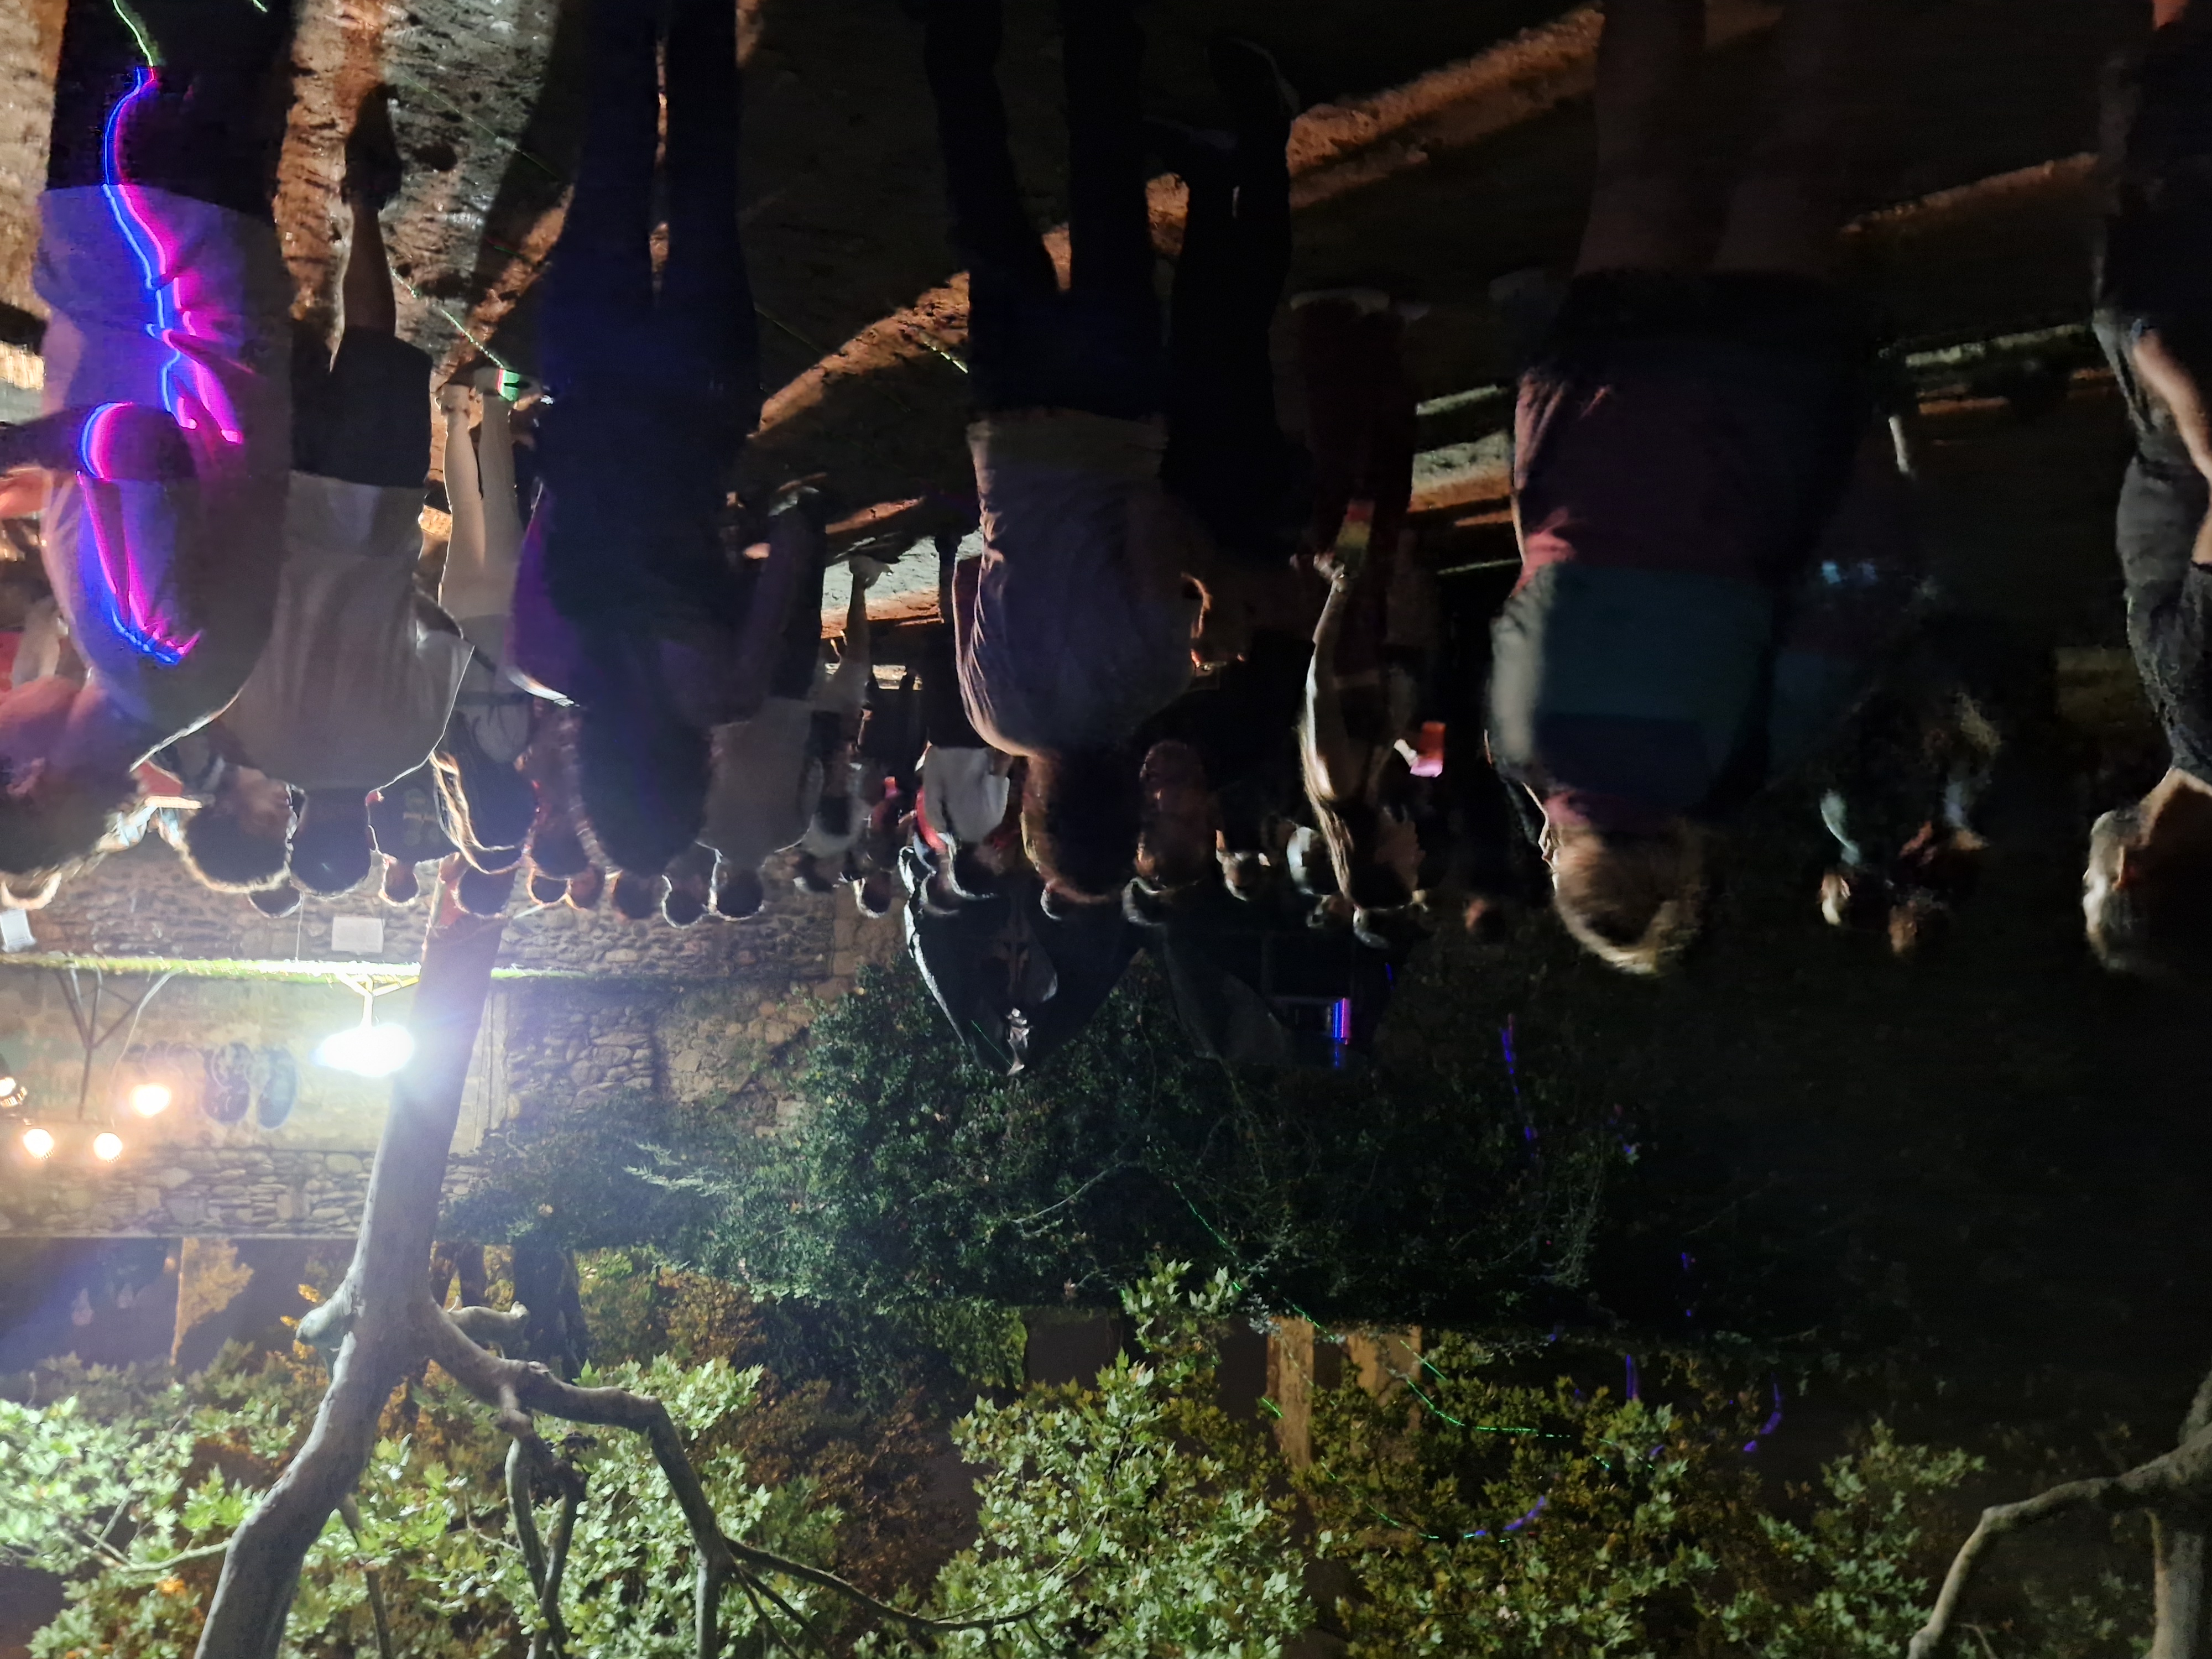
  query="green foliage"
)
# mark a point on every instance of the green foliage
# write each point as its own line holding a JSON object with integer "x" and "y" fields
{"x": 148, "y": 1500}
{"x": 1133, "y": 1517}
{"x": 1484, "y": 1506}
{"x": 868, "y": 1460}
{"x": 1497, "y": 1517}
{"x": 591, "y": 1181}
{"x": 919, "y": 1181}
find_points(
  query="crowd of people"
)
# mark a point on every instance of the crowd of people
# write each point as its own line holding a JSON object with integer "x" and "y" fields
{"x": 1189, "y": 657}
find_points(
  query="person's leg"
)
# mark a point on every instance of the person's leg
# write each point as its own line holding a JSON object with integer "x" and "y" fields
{"x": 207, "y": 123}
{"x": 990, "y": 226}
{"x": 1010, "y": 276}
{"x": 1788, "y": 206}
{"x": 464, "y": 550}
{"x": 1226, "y": 453}
{"x": 1117, "y": 362}
{"x": 706, "y": 293}
{"x": 1109, "y": 222}
{"x": 798, "y": 651}
{"x": 1643, "y": 213}
{"x": 846, "y": 694}
{"x": 600, "y": 276}
{"x": 502, "y": 514}
{"x": 366, "y": 291}
{"x": 477, "y": 586}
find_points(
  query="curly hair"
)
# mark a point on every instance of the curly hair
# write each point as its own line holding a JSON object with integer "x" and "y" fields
{"x": 51, "y": 825}
{"x": 224, "y": 856}
{"x": 1636, "y": 903}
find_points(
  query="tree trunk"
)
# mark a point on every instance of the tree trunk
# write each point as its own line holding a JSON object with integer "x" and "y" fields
{"x": 2179, "y": 1590}
{"x": 372, "y": 1317}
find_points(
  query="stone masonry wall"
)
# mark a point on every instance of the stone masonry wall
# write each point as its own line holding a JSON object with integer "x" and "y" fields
{"x": 227, "y": 1192}
{"x": 549, "y": 1045}
{"x": 144, "y": 903}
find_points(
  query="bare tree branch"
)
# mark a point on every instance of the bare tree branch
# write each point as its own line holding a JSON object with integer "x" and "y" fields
{"x": 2176, "y": 1487}
{"x": 382, "y": 1323}
{"x": 2178, "y": 1591}
{"x": 533, "y": 1388}
{"x": 533, "y": 1552}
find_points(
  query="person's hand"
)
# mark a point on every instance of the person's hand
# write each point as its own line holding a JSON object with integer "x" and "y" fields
{"x": 22, "y": 492}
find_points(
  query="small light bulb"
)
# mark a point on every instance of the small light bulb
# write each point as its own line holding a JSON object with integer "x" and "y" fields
{"x": 107, "y": 1146}
{"x": 7, "y": 1088}
{"x": 37, "y": 1142}
{"x": 150, "y": 1099}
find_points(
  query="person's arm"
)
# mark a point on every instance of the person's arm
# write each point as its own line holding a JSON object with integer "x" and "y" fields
{"x": 118, "y": 443}
{"x": 2178, "y": 386}
{"x": 1334, "y": 764}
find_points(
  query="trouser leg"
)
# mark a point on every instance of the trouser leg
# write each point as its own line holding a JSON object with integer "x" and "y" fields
{"x": 706, "y": 292}
{"x": 1226, "y": 453}
{"x": 1788, "y": 208}
{"x": 799, "y": 649}
{"x": 1009, "y": 273}
{"x": 1117, "y": 366}
{"x": 1643, "y": 213}
{"x": 207, "y": 123}
{"x": 598, "y": 283}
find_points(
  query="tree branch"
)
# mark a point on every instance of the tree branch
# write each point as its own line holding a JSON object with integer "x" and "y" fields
{"x": 2176, "y": 1485}
{"x": 382, "y": 1289}
{"x": 505, "y": 1383}
{"x": 525, "y": 1522}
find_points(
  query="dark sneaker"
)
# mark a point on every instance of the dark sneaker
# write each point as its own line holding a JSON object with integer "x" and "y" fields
{"x": 372, "y": 152}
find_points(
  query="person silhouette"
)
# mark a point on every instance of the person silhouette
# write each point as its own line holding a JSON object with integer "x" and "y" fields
{"x": 1715, "y": 528}
{"x": 166, "y": 434}
{"x": 2147, "y": 895}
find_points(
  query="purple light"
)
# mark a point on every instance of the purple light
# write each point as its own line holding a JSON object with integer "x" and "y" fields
{"x": 1516, "y": 1526}
{"x": 1629, "y": 1359}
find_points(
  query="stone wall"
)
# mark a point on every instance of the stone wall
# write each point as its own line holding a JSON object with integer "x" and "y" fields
{"x": 144, "y": 903}
{"x": 548, "y": 1046}
{"x": 225, "y": 1192}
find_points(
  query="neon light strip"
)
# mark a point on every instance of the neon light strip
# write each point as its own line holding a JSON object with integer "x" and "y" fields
{"x": 130, "y": 613}
{"x": 95, "y": 451}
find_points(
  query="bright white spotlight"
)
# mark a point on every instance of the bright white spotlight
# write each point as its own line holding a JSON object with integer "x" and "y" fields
{"x": 7, "y": 1088}
{"x": 106, "y": 1147}
{"x": 151, "y": 1099}
{"x": 37, "y": 1142}
{"x": 367, "y": 1050}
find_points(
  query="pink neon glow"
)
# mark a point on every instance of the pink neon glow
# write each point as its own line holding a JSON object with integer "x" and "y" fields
{"x": 188, "y": 390}
{"x": 188, "y": 393}
{"x": 96, "y": 444}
